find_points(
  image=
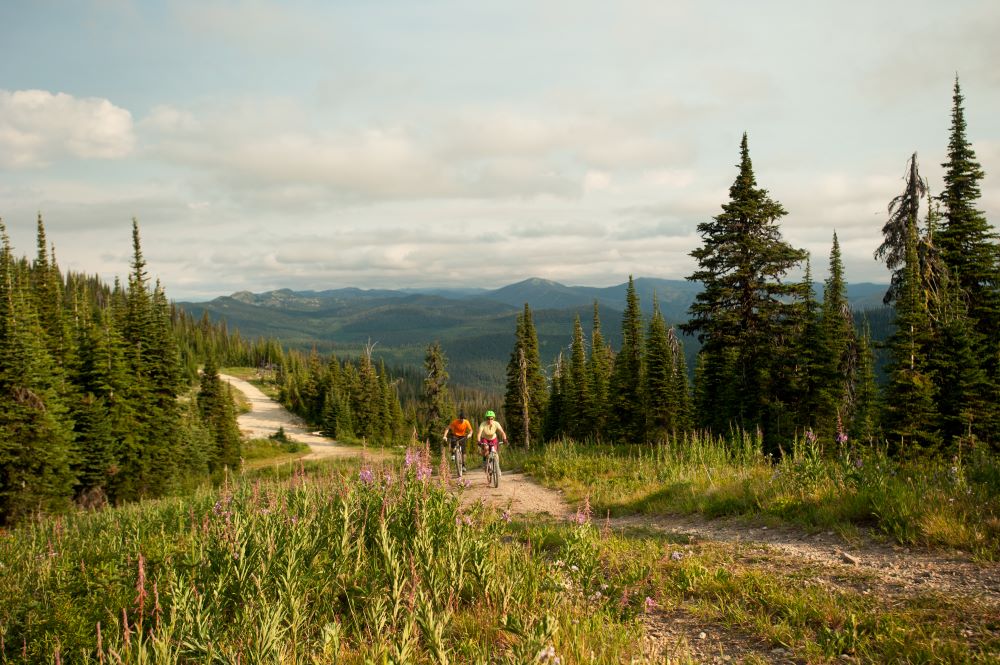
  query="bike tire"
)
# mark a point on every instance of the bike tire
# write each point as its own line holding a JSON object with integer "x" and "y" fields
{"x": 459, "y": 459}
{"x": 495, "y": 470}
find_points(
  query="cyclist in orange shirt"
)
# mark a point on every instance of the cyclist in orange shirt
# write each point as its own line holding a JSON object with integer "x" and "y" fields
{"x": 457, "y": 432}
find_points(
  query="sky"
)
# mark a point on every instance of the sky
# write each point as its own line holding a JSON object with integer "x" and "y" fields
{"x": 447, "y": 143}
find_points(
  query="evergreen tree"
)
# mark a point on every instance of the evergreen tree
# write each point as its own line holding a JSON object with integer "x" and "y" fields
{"x": 968, "y": 244}
{"x": 659, "y": 383}
{"x": 627, "y": 419}
{"x": 578, "y": 408}
{"x": 684, "y": 417}
{"x": 35, "y": 432}
{"x": 740, "y": 316}
{"x": 215, "y": 403}
{"x": 839, "y": 337}
{"x": 599, "y": 373}
{"x": 864, "y": 424}
{"x": 556, "y": 407}
{"x": 526, "y": 391}
{"x": 435, "y": 399}
{"x": 909, "y": 412}
{"x": 971, "y": 251}
{"x": 812, "y": 375}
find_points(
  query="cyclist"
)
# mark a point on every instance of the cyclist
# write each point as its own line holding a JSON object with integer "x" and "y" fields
{"x": 487, "y": 434}
{"x": 457, "y": 432}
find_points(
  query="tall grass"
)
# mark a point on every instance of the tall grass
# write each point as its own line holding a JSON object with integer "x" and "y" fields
{"x": 933, "y": 501}
{"x": 381, "y": 565}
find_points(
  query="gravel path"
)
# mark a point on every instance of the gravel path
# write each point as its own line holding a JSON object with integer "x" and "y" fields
{"x": 266, "y": 416}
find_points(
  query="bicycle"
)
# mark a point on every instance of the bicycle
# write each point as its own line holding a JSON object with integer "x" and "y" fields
{"x": 493, "y": 464}
{"x": 458, "y": 453}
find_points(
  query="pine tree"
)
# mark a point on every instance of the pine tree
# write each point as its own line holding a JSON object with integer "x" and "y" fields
{"x": 839, "y": 338}
{"x": 215, "y": 404}
{"x": 811, "y": 376}
{"x": 909, "y": 412}
{"x": 970, "y": 249}
{"x": 435, "y": 399}
{"x": 740, "y": 315}
{"x": 556, "y": 407}
{"x": 579, "y": 408}
{"x": 659, "y": 383}
{"x": 968, "y": 244}
{"x": 684, "y": 418}
{"x": 627, "y": 421}
{"x": 599, "y": 373}
{"x": 526, "y": 393}
{"x": 864, "y": 424}
{"x": 35, "y": 431}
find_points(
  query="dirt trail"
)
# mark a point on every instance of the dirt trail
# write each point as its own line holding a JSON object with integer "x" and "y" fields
{"x": 266, "y": 416}
{"x": 863, "y": 565}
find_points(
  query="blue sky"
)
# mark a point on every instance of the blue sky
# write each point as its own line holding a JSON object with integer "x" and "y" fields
{"x": 390, "y": 144}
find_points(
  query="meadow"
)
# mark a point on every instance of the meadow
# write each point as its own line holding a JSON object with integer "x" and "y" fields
{"x": 338, "y": 564}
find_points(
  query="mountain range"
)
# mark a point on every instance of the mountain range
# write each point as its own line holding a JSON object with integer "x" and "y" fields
{"x": 474, "y": 326}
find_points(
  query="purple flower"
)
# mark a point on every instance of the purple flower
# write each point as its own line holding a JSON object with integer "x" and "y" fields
{"x": 810, "y": 436}
{"x": 506, "y": 516}
{"x": 366, "y": 476}
{"x": 858, "y": 463}
{"x": 650, "y": 604}
{"x": 841, "y": 438}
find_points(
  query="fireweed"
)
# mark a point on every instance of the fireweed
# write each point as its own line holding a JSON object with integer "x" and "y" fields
{"x": 379, "y": 565}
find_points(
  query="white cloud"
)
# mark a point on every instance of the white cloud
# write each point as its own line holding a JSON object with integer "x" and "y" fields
{"x": 38, "y": 127}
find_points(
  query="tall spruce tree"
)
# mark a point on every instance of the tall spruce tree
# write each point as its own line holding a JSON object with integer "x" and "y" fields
{"x": 741, "y": 314}
{"x": 968, "y": 244}
{"x": 839, "y": 345}
{"x": 526, "y": 394}
{"x": 909, "y": 410}
{"x": 36, "y": 434}
{"x": 970, "y": 248}
{"x": 435, "y": 401}
{"x": 659, "y": 383}
{"x": 578, "y": 407}
{"x": 864, "y": 424}
{"x": 215, "y": 404}
{"x": 599, "y": 372}
{"x": 627, "y": 421}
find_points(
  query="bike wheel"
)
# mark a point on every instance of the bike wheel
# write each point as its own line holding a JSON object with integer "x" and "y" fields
{"x": 495, "y": 470}
{"x": 459, "y": 459}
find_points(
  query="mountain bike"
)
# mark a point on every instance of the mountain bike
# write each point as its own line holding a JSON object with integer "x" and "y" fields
{"x": 458, "y": 454}
{"x": 493, "y": 464}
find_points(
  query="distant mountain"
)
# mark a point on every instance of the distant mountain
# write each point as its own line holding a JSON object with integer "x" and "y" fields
{"x": 475, "y": 326}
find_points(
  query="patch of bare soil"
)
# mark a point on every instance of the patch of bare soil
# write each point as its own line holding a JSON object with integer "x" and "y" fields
{"x": 863, "y": 563}
{"x": 516, "y": 493}
{"x": 677, "y": 636}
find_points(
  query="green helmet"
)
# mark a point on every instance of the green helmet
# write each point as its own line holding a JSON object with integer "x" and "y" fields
{"x": 490, "y": 414}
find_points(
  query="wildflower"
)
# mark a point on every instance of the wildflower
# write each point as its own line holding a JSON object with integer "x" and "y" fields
{"x": 559, "y": 563}
{"x": 841, "y": 438}
{"x": 506, "y": 516}
{"x": 366, "y": 476}
{"x": 858, "y": 463}
{"x": 811, "y": 436}
{"x": 676, "y": 556}
{"x": 604, "y": 587}
{"x": 574, "y": 568}
{"x": 650, "y": 604}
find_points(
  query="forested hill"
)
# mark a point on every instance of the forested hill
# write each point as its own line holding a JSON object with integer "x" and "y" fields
{"x": 475, "y": 327}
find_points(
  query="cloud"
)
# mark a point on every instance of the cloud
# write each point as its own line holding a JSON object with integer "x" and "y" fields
{"x": 38, "y": 128}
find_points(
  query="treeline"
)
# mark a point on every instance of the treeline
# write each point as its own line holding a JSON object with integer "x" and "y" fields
{"x": 90, "y": 381}
{"x": 773, "y": 359}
